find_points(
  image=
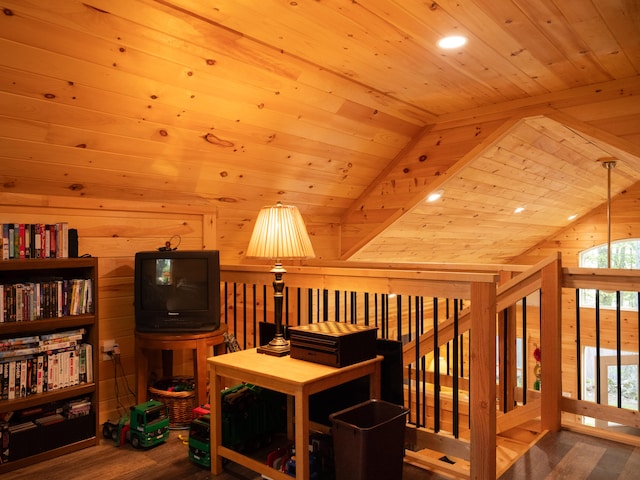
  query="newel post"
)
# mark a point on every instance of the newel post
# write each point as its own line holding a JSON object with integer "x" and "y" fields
{"x": 482, "y": 377}
{"x": 551, "y": 345}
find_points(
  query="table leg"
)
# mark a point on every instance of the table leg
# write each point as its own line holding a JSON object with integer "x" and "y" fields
{"x": 375, "y": 380}
{"x": 167, "y": 363}
{"x": 219, "y": 349}
{"x": 200, "y": 370}
{"x": 291, "y": 418}
{"x": 302, "y": 436}
{"x": 215, "y": 440}
{"x": 142, "y": 365}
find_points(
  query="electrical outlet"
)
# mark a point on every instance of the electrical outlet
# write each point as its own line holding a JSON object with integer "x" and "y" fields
{"x": 108, "y": 346}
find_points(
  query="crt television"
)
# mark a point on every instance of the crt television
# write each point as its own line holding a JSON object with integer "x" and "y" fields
{"x": 177, "y": 291}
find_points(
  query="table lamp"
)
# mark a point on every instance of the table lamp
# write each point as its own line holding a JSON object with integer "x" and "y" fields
{"x": 279, "y": 234}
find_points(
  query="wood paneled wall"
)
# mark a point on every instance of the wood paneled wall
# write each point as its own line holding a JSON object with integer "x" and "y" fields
{"x": 591, "y": 230}
{"x": 581, "y": 235}
{"x": 114, "y": 232}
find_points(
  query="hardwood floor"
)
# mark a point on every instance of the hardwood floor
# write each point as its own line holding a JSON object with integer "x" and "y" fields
{"x": 572, "y": 456}
{"x": 564, "y": 455}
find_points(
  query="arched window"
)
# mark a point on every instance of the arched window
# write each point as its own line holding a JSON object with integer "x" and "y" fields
{"x": 624, "y": 254}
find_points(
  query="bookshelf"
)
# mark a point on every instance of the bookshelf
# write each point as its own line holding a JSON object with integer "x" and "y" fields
{"x": 48, "y": 441}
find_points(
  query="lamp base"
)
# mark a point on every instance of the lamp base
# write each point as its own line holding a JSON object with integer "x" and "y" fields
{"x": 278, "y": 347}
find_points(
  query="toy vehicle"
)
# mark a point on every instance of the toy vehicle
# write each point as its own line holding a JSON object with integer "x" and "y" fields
{"x": 199, "y": 436}
{"x": 146, "y": 425}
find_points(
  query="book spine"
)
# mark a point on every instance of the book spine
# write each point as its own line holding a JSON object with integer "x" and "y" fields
{"x": 45, "y": 373}
{"x": 65, "y": 239}
{"x": 58, "y": 346}
{"x": 17, "y": 240}
{"x": 59, "y": 299}
{"x": 40, "y": 373}
{"x": 64, "y": 369}
{"x": 89, "y": 354}
{"x": 5, "y": 381}
{"x": 19, "y": 352}
{"x": 37, "y": 241}
{"x": 31, "y": 375}
{"x": 18, "y": 369}
{"x": 52, "y": 336}
{"x": 74, "y": 374}
{"x": 23, "y": 378}
{"x": 53, "y": 241}
{"x": 38, "y": 301}
{"x": 5, "y": 241}
{"x": 82, "y": 364}
{"x": 10, "y": 300}
{"x": 12, "y": 241}
{"x": 47, "y": 241}
{"x": 19, "y": 287}
{"x": 53, "y": 371}
{"x": 43, "y": 240}
{"x": 27, "y": 240}
{"x": 12, "y": 380}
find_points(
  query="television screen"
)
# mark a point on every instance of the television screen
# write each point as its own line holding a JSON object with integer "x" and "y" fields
{"x": 177, "y": 290}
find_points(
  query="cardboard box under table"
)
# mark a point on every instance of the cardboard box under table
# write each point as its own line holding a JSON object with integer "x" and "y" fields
{"x": 333, "y": 343}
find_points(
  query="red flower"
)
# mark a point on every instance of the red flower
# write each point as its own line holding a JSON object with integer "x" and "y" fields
{"x": 537, "y": 354}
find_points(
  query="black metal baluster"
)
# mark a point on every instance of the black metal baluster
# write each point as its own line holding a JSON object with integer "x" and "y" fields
{"x": 244, "y": 315}
{"x": 618, "y": 349}
{"x": 598, "y": 346}
{"x": 456, "y": 409}
{"x": 325, "y": 305}
{"x": 255, "y": 315}
{"x": 366, "y": 308}
{"x": 354, "y": 308}
{"x": 578, "y": 346}
{"x": 504, "y": 368}
{"x": 399, "y": 311}
{"x": 436, "y": 369}
{"x": 524, "y": 351}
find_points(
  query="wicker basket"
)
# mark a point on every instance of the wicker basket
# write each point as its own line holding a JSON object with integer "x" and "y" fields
{"x": 181, "y": 403}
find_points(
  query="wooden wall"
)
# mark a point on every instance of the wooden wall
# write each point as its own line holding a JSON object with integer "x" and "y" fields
{"x": 583, "y": 234}
{"x": 114, "y": 232}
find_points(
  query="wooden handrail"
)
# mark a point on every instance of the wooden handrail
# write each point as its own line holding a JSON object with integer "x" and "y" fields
{"x": 443, "y": 281}
{"x": 507, "y": 294}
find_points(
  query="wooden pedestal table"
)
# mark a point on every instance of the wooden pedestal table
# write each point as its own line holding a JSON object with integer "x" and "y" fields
{"x": 199, "y": 343}
{"x": 296, "y": 378}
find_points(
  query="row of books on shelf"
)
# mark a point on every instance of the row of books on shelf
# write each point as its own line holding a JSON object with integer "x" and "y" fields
{"x": 23, "y": 302}
{"x": 15, "y": 425}
{"x": 38, "y": 364}
{"x": 47, "y": 414}
{"x": 35, "y": 240}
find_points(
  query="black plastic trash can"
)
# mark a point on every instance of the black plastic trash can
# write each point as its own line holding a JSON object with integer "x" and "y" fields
{"x": 368, "y": 441}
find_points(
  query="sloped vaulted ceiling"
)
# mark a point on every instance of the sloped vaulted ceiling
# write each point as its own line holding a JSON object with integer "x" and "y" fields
{"x": 550, "y": 171}
{"x": 347, "y": 109}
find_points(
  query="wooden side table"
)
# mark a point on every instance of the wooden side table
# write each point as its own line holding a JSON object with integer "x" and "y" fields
{"x": 199, "y": 343}
{"x": 297, "y": 378}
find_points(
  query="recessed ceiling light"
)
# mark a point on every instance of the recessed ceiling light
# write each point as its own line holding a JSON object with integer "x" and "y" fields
{"x": 435, "y": 195}
{"x": 453, "y": 41}
{"x": 519, "y": 210}
{"x": 572, "y": 217}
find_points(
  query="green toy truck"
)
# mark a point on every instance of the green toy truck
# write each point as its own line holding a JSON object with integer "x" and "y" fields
{"x": 199, "y": 432}
{"x": 146, "y": 425}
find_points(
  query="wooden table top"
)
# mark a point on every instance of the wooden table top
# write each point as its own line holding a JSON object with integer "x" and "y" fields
{"x": 282, "y": 369}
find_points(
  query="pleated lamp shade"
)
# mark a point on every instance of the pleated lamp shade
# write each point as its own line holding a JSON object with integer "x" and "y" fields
{"x": 280, "y": 233}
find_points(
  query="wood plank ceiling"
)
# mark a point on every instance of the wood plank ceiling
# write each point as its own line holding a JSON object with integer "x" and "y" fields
{"x": 329, "y": 105}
